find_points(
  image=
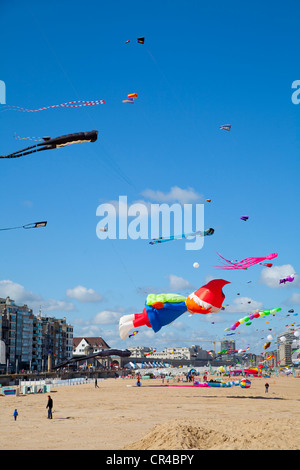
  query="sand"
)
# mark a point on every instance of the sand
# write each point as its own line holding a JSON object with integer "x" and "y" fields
{"x": 120, "y": 416}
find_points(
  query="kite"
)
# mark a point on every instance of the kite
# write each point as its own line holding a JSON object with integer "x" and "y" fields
{"x": 244, "y": 217}
{"x": 130, "y": 98}
{"x": 226, "y": 127}
{"x": 70, "y": 104}
{"x": 196, "y": 265}
{"x": 103, "y": 229}
{"x": 251, "y": 316}
{"x": 104, "y": 353}
{"x": 57, "y": 142}
{"x": 128, "y": 40}
{"x": 208, "y": 200}
{"x": 200, "y": 233}
{"x": 150, "y": 352}
{"x": 133, "y": 333}
{"x": 141, "y": 40}
{"x": 162, "y": 309}
{"x": 267, "y": 345}
{"x": 28, "y": 226}
{"x": 286, "y": 279}
{"x": 245, "y": 263}
{"x": 268, "y": 265}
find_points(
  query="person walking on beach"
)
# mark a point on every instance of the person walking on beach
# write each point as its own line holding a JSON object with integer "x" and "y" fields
{"x": 15, "y": 414}
{"x": 266, "y": 387}
{"x": 49, "y": 406}
{"x": 96, "y": 383}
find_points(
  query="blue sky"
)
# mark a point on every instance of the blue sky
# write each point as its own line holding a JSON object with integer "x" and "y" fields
{"x": 202, "y": 65}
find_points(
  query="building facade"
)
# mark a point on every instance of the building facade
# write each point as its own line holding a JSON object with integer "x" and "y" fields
{"x": 30, "y": 339}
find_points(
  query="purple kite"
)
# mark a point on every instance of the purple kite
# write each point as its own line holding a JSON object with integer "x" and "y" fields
{"x": 244, "y": 263}
{"x": 286, "y": 279}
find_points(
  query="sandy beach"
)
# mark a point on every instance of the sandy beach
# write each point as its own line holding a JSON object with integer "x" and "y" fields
{"x": 121, "y": 416}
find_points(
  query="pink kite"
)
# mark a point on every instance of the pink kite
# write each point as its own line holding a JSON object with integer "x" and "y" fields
{"x": 244, "y": 263}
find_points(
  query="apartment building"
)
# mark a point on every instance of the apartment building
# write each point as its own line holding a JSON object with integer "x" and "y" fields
{"x": 30, "y": 339}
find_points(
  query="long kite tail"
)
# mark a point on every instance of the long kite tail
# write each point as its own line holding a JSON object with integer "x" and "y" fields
{"x": 70, "y": 104}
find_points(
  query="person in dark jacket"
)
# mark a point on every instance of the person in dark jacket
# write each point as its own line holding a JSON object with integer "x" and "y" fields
{"x": 49, "y": 406}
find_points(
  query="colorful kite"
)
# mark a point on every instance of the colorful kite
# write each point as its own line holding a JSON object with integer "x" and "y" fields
{"x": 286, "y": 279}
{"x": 27, "y": 226}
{"x": 226, "y": 127}
{"x": 141, "y": 40}
{"x": 251, "y": 316}
{"x": 57, "y": 142}
{"x": 200, "y": 233}
{"x": 70, "y": 104}
{"x": 245, "y": 263}
{"x": 268, "y": 265}
{"x": 162, "y": 309}
{"x": 150, "y": 352}
{"x": 130, "y": 98}
{"x": 133, "y": 333}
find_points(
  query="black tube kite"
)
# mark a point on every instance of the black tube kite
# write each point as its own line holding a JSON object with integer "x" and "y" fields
{"x": 104, "y": 353}
{"x": 27, "y": 226}
{"x": 57, "y": 142}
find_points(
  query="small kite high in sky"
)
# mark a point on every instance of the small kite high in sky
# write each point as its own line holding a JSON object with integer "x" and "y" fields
{"x": 286, "y": 279}
{"x": 57, "y": 142}
{"x": 70, "y": 104}
{"x": 28, "y": 226}
{"x": 244, "y": 263}
{"x": 244, "y": 217}
{"x": 130, "y": 98}
{"x": 226, "y": 127}
{"x": 200, "y": 233}
{"x": 141, "y": 40}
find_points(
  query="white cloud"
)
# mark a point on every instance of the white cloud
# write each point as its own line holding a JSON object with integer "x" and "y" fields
{"x": 177, "y": 283}
{"x": 82, "y": 294}
{"x": 271, "y": 276}
{"x": 295, "y": 298}
{"x": 176, "y": 194}
{"x": 17, "y": 292}
{"x": 241, "y": 305}
{"x": 106, "y": 317}
{"x": 21, "y": 296}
